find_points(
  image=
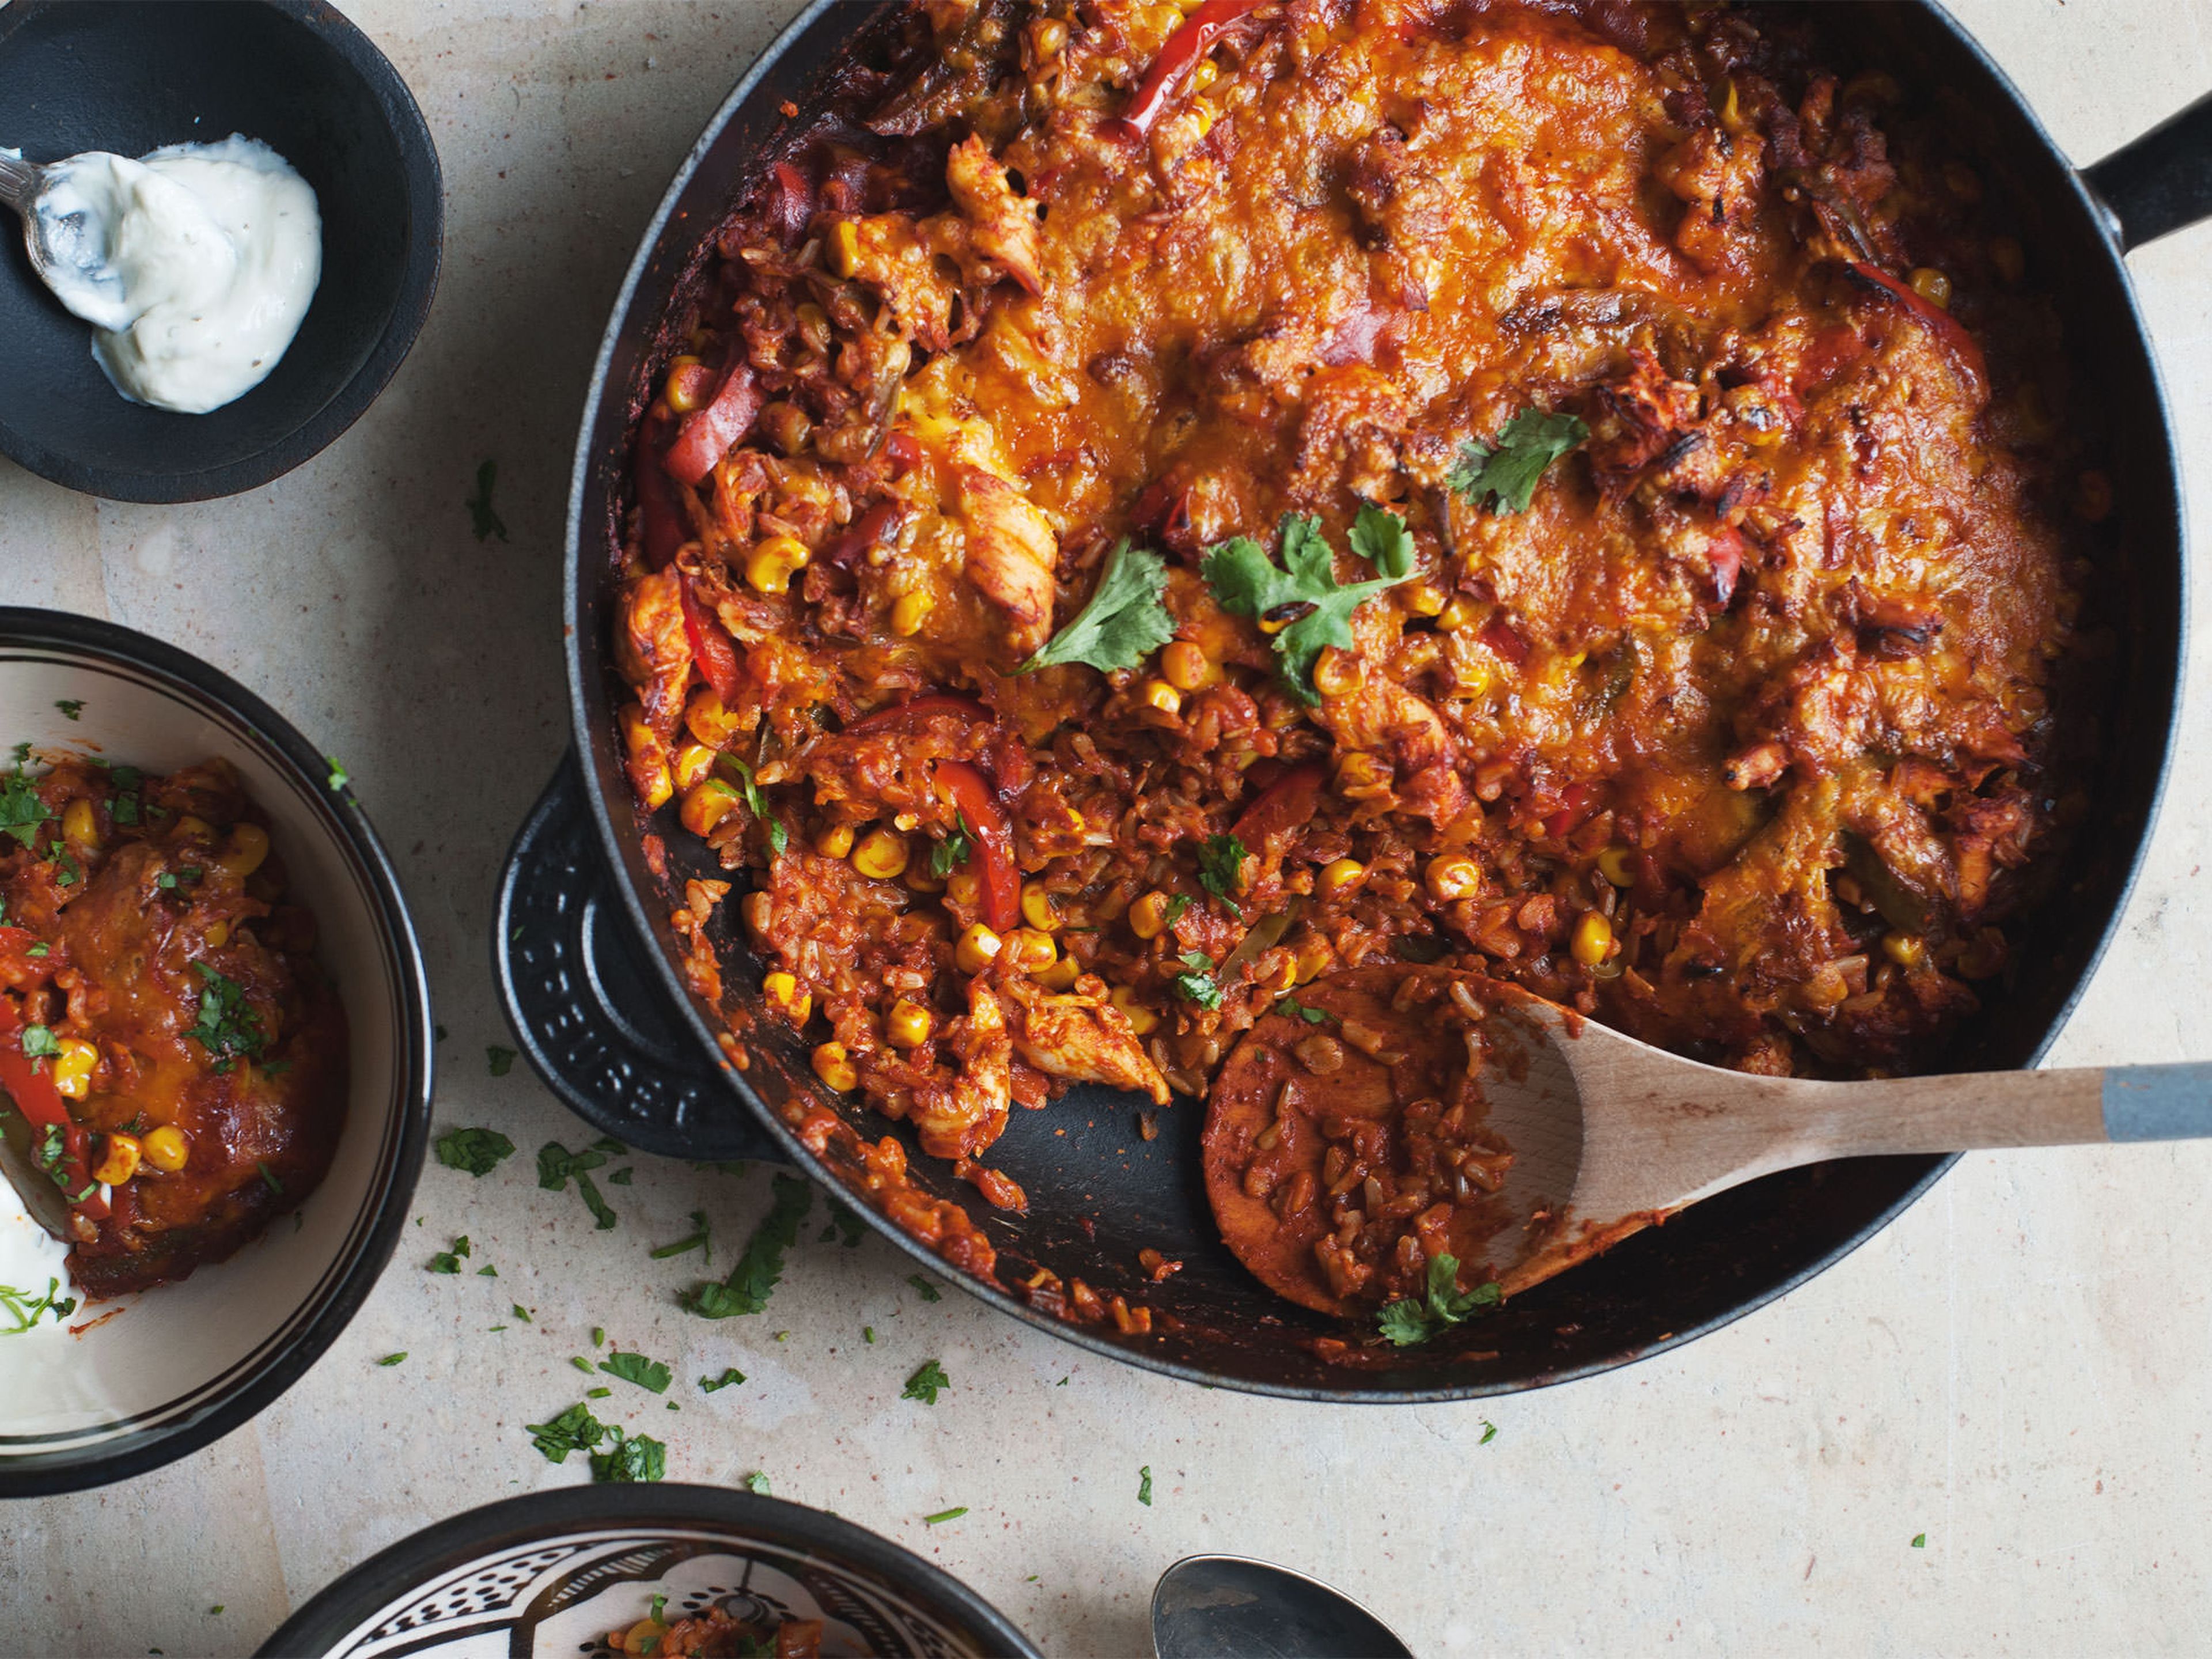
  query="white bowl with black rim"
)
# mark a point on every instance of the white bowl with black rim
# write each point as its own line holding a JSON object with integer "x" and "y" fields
{"x": 130, "y": 1385}
{"x": 549, "y": 1575}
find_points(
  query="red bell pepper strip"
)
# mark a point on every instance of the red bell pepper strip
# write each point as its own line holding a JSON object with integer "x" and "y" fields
{"x": 707, "y": 434}
{"x": 1947, "y": 329}
{"x": 902, "y": 715}
{"x": 712, "y": 648}
{"x": 40, "y": 1103}
{"x": 1284, "y": 805}
{"x": 1185, "y": 51}
{"x": 662, "y": 521}
{"x": 992, "y": 839}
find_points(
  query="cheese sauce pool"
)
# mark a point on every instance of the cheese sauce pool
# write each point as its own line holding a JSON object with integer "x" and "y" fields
{"x": 194, "y": 265}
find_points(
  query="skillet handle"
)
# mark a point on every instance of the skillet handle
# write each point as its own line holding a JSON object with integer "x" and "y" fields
{"x": 2161, "y": 182}
{"x": 586, "y": 1009}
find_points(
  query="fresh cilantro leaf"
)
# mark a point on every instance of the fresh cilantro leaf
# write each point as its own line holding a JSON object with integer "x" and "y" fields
{"x": 621, "y": 1177}
{"x": 501, "y": 1060}
{"x": 1489, "y": 1432}
{"x": 573, "y": 1429}
{"x": 339, "y": 777}
{"x": 700, "y": 1239}
{"x": 22, "y": 812}
{"x": 757, "y": 1482}
{"x": 478, "y": 1151}
{"x": 747, "y": 1289}
{"x": 1301, "y": 595}
{"x": 928, "y": 1291}
{"x": 66, "y": 871}
{"x": 482, "y": 520}
{"x": 1311, "y": 1016}
{"x": 1198, "y": 984}
{"x": 924, "y": 1384}
{"x": 522, "y": 1314}
{"x": 71, "y": 707}
{"x": 943, "y": 1516}
{"x": 1144, "y": 1486}
{"x": 393, "y": 1358}
{"x": 1122, "y": 622}
{"x": 844, "y": 1226}
{"x": 757, "y": 803}
{"x": 123, "y": 809}
{"x": 227, "y": 1028}
{"x": 38, "y": 950}
{"x": 1221, "y": 866}
{"x": 1507, "y": 472}
{"x": 580, "y": 1364}
{"x": 953, "y": 851}
{"x": 487, "y": 1271}
{"x": 1920, "y": 1541}
{"x": 1176, "y": 906}
{"x": 730, "y": 1374}
{"x": 449, "y": 1261}
{"x": 648, "y": 1374}
{"x": 556, "y": 1163}
{"x": 1406, "y": 1321}
{"x": 868, "y": 1334}
{"x": 39, "y": 1041}
{"x": 630, "y": 1457}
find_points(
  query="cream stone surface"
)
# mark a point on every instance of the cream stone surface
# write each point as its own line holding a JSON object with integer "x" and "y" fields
{"x": 2021, "y": 1367}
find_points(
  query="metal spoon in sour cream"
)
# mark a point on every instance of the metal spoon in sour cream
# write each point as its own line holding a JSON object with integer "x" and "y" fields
{"x": 195, "y": 265}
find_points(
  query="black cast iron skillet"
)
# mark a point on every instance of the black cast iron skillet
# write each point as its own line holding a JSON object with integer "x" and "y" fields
{"x": 589, "y": 967}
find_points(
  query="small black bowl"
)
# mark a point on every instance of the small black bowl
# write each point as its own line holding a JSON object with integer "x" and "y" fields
{"x": 130, "y": 75}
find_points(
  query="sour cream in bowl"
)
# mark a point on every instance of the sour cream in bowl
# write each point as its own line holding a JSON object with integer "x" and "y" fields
{"x": 195, "y": 265}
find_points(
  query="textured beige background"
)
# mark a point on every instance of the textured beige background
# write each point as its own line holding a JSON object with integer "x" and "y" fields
{"x": 2022, "y": 1368}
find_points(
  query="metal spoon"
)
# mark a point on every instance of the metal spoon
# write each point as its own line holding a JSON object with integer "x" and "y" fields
{"x": 1227, "y": 1607}
{"x": 68, "y": 254}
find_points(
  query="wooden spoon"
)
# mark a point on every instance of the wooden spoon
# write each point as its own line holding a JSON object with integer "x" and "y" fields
{"x": 1610, "y": 1135}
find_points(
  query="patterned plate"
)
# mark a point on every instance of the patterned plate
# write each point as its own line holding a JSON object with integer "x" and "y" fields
{"x": 549, "y": 1575}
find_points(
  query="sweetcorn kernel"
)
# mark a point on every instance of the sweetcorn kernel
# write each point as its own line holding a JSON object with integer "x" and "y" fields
{"x": 908, "y": 1025}
{"x": 783, "y": 993}
{"x": 881, "y": 854}
{"x": 167, "y": 1149}
{"x": 833, "y": 1068}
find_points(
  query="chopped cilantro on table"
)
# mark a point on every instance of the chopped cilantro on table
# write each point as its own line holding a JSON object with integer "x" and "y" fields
{"x": 339, "y": 777}
{"x": 757, "y": 1482}
{"x": 1196, "y": 983}
{"x": 730, "y": 1375}
{"x": 924, "y": 1384}
{"x": 927, "y": 1291}
{"x": 556, "y": 1163}
{"x": 599, "y": 1394}
{"x": 650, "y": 1375}
{"x": 71, "y": 707}
{"x": 393, "y": 1358}
{"x": 1489, "y": 1432}
{"x": 521, "y": 1313}
{"x": 449, "y": 1261}
{"x": 580, "y": 1364}
{"x": 1121, "y": 623}
{"x": 487, "y": 1271}
{"x": 227, "y": 1028}
{"x": 621, "y": 1177}
{"x": 868, "y": 1334}
{"x": 1408, "y": 1321}
{"x": 1506, "y": 471}
{"x": 1301, "y": 597}
{"x": 501, "y": 1060}
{"x": 1920, "y": 1541}
{"x": 700, "y": 1239}
{"x": 943, "y": 1516}
{"x": 844, "y": 1226}
{"x": 747, "y": 1289}
{"x": 1144, "y": 1486}
{"x": 477, "y": 1152}
{"x": 575, "y": 1429}
{"x": 482, "y": 520}
{"x": 1221, "y": 868}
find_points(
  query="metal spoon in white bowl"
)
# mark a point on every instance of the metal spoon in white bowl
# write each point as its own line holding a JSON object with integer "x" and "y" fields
{"x": 1227, "y": 1607}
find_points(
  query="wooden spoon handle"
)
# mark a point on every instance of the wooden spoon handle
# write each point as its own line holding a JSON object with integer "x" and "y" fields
{"x": 2071, "y": 1108}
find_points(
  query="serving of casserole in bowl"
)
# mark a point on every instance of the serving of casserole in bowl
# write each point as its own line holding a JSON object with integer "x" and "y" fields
{"x": 214, "y": 1054}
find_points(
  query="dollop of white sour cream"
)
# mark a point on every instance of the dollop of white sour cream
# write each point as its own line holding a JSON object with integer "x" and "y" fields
{"x": 194, "y": 265}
